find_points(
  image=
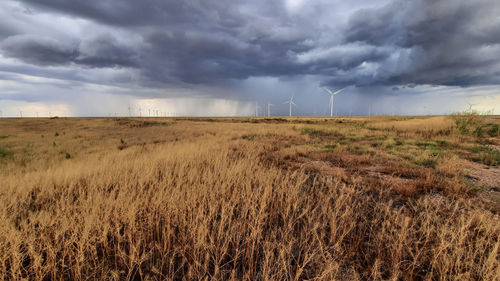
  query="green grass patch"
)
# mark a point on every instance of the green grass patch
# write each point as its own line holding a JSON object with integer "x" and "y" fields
{"x": 345, "y": 141}
{"x": 427, "y": 162}
{"x": 317, "y": 132}
{"x": 398, "y": 141}
{"x": 330, "y": 147}
{"x": 490, "y": 129}
{"x": 361, "y": 150}
{"x": 378, "y": 137}
{"x": 4, "y": 137}
{"x": 486, "y": 155}
{"x": 277, "y": 119}
{"x": 426, "y": 145}
{"x": 4, "y": 152}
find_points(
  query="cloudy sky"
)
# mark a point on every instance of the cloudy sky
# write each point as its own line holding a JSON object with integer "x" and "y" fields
{"x": 222, "y": 57}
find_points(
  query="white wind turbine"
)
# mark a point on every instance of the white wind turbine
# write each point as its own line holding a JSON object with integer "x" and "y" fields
{"x": 332, "y": 94}
{"x": 269, "y": 109}
{"x": 470, "y": 106}
{"x": 290, "y": 102}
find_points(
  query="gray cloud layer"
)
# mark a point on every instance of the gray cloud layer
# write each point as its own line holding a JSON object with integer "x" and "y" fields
{"x": 422, "y": 42}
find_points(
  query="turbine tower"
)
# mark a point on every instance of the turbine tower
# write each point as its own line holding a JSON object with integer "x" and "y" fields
{"x": 332, "y": 94}
{"x": 290, "y": 102}
{"x": 269, "y": 109}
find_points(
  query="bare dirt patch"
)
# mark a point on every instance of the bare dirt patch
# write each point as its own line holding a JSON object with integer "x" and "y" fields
{"x": 483, "y": 175}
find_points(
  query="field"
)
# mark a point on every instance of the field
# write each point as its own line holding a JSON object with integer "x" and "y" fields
{"x": 380, "y": 198}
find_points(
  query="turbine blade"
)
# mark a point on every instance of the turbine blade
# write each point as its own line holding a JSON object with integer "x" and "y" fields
{"x": 328, "y": 91}
{"x": 338, "y": 92}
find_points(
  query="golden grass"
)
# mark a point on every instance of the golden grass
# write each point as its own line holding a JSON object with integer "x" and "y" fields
{"x": 416, "y": 124}
{"x": 222, "y": 201}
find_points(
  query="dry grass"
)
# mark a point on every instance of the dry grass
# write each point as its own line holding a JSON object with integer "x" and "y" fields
{"x": 414, "y": 124}
{"x": 224, "y": 200}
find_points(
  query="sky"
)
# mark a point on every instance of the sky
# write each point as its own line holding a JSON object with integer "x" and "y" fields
{"x": 234, "y": 57}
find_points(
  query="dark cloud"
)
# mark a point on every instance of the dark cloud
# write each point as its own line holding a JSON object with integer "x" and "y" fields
{"x": 38, "y": 50}
{"x": 216, "y": 42}
{"x": 445, "y": 42}
{"x": 100, "y": 51}
{"x": 105, "y": 51}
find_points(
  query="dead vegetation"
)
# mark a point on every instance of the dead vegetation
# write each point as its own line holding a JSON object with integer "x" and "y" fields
{"x": 301, "y": 199}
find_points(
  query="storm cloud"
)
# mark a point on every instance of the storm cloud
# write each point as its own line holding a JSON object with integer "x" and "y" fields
{"x": 219, "y": 43}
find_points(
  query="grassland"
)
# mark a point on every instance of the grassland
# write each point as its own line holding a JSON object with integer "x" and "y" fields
{"x": 381, "y": 198}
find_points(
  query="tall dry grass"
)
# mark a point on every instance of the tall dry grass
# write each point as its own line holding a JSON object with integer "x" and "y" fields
{"x": 207, "y": 208}
{"x": 416, "y": 124}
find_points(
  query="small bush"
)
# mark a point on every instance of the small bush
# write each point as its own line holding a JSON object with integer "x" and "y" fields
{"x": 54, "y": 144}
{"x": 122, "y": 141}
{"x": 56, "y": 134}
{"x": 490, "y": 129}
{"x": 473, "y": 124}
{"x": 485, "y": 155}
{"x": 68, "y": 155}
{"x": 4, "y": 137}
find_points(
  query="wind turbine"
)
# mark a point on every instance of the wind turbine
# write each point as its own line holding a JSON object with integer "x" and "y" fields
{"x": 332, "y": 94}
{"x": 269, "y": 109}
{"x": 470, "y": 106}
{"x": 290, "y": 102}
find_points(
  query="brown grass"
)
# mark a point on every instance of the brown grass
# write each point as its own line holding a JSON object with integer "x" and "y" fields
{"x": 415, "y": 124}
{"x": 229, "y": 200}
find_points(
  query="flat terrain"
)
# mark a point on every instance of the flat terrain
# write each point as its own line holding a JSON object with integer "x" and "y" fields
{"x": 381, "y": 198}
